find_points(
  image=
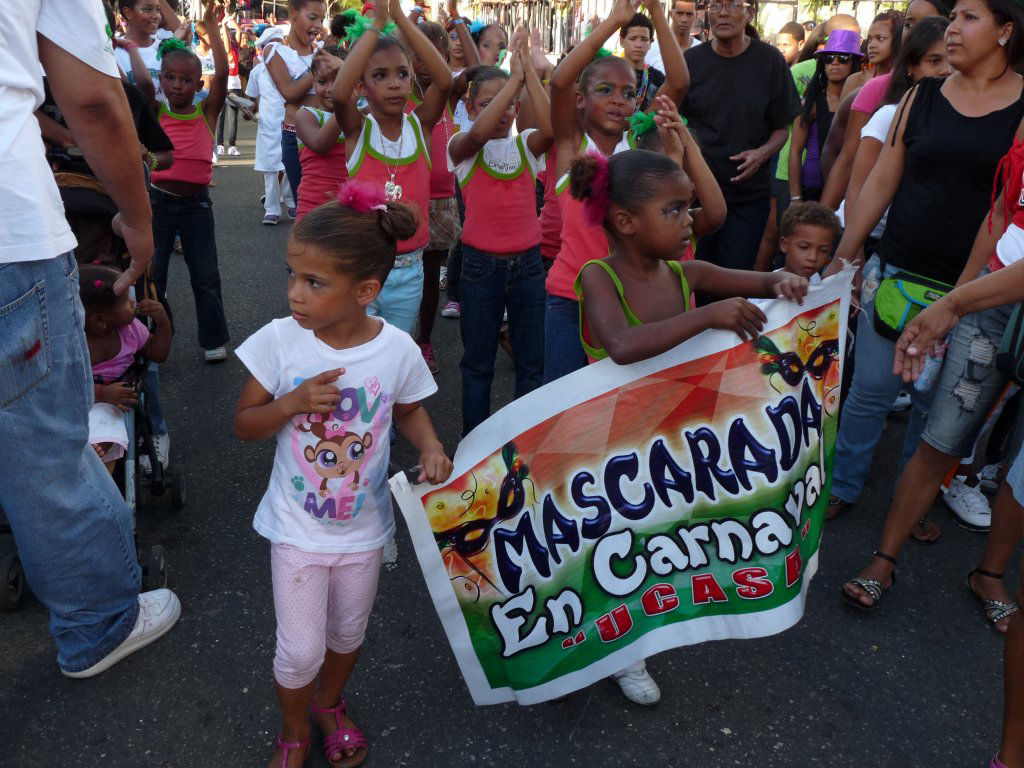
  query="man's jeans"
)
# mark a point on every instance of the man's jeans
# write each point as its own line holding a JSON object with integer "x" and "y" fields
{"x": 71, "y": 525}
{"x": 192, "y": 219}
{"x": 489, "y": 285}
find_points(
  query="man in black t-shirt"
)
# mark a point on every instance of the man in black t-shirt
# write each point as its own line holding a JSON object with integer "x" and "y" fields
{"x": 739, "y": 105}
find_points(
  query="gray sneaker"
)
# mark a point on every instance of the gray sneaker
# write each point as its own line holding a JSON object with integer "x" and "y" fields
{"x": 159, "y": 610}
{"x": 218, "y": 355}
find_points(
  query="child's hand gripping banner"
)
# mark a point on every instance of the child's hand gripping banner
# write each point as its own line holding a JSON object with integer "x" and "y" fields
{"x": 624, "y": 510}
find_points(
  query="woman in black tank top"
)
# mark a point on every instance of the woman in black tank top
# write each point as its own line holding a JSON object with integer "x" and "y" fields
{"x": 936, "y": 169}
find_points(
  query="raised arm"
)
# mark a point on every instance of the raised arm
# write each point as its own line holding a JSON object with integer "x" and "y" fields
{"x": 170, "y": 19}
{"x": 436, "y": 95}
{"x": 677, "y": 74}
{"x": 351, "y": 71}
{"x": 711, "y": 215}
{"x": 539, "y": 141}
{"x": 96, "y": 110}
{"x": 214, "y": 102}
{"x": 470, "y": 53}
{"x": 467, "y": 144}
{"x": 563, "y": 79}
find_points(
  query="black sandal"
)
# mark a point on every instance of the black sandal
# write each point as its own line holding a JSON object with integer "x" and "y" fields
{"x": 994, "y": 610}
{"x": 873, "y": 587}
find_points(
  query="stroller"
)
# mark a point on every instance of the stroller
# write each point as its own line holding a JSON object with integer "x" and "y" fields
{"x": 90, "y": 211}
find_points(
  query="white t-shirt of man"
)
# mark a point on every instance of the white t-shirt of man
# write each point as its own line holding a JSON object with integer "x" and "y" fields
{"x": 876, "y": 128}
{"x": 653, "y": 57}
{"x": 148, "y": 56}
{"x": 32, "y": 223}
{"x": 328, "y": 490}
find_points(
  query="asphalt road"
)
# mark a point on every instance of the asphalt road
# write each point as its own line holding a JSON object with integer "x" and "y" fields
{"x": 916, "y": 683}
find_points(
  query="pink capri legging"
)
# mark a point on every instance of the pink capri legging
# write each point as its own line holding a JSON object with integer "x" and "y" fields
{"x": 322, "y": 600}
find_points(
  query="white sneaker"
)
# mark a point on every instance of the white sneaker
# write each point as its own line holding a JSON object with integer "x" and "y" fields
{"x": 637, "y": 685}
{"x": 968, "y": 505}
{"x": 988, "y": 478}
{"x": 233, "y": 151}
{"x": 218, "y": 355}
{"x": 901, "y": 403}
{"x": 162, "y": 443}
{"x": 452, "y": 309}
{"x": 220, "y": 150}
{"x": 159, "y": 610}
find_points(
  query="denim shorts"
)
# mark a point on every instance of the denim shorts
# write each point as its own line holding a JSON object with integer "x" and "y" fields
{"x": 970, "y": 384}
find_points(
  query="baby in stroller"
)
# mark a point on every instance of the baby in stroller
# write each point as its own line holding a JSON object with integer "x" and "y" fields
{"x": 114, "y": 335}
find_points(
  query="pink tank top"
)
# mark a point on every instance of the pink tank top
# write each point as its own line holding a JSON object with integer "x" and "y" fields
{"x": 409, "y": 173}
{"x": 193, "y": 147}
{"x": 501, "y": 208}
{"x": 321, "y": 174}
{"x": 442, "y": 181}
{"x": 581, "y": 242}
{"x": 551, "y": 212}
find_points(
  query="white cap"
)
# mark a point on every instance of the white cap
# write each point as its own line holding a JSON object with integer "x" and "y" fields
{"x": 270, "y": 34}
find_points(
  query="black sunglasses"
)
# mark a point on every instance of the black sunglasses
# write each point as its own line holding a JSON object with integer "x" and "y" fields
{"x": 842, "y": 58}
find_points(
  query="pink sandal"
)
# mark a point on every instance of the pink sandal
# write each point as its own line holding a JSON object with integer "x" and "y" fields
{"x": 343, "y": 738}
{"x": 285, "y": 746}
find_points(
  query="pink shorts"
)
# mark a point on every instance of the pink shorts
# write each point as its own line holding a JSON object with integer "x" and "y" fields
{"x": 322, "y": 600}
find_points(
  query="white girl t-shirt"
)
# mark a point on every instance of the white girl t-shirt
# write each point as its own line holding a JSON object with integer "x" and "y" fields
{"x": 149, "y": 58}
{"x": 328, "y": 490}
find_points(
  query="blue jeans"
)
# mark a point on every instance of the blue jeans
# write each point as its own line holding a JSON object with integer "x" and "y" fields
{"x": 399, "y": 299}
{"x": 71, "y": 525}
{"x": 970, "y": 384}
{"x": 489, "y": 285}
{"x": 192, "y": 219}
{"x": 290, "y": 158}
{"x": 735, "y": 245}
{"x": 870, "y": 398}
{"x": 563, "y": 348}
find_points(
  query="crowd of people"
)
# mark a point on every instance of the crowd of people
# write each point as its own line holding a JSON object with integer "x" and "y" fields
{"x": 594, "y": 206}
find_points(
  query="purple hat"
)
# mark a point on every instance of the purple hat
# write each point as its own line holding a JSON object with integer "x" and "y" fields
{"x": 842, "y": 41}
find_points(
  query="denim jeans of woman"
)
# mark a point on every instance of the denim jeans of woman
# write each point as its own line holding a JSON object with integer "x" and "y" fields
{"x": 490, "y": 284}
{"x": 71, "y": 525}
{"x": 870, "y": 398}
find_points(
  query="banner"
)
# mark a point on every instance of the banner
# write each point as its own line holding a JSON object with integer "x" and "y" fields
{"x": 624, "y": 510}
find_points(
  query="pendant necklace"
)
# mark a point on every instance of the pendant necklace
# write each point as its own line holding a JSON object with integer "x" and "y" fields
{"x": 393, "y": 191}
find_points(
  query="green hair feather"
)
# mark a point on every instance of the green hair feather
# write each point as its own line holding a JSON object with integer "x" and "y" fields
{"x": 641, "y": 123}
{"x": 602, "y": 53}
{"x": 171, "y": 44}
{"x": 363, "y": 23}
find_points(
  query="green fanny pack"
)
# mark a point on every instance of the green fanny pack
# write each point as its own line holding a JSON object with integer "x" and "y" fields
{"x": 901, "y": 298}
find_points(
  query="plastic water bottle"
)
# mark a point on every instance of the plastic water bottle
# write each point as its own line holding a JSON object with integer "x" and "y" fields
{"x": 932, "y": 366}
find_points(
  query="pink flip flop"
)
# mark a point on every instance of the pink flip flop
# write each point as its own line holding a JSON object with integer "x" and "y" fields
{"x": 343, "y": 738}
